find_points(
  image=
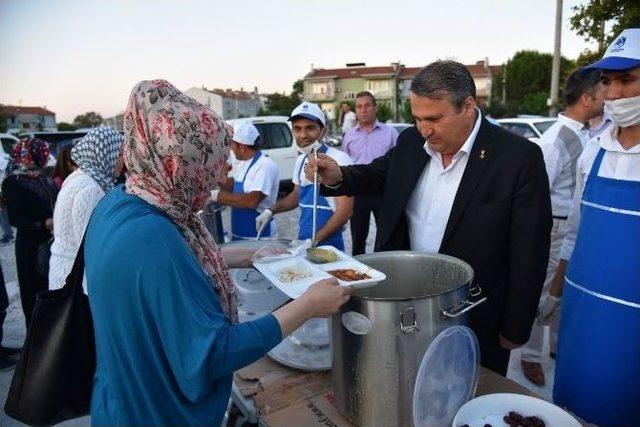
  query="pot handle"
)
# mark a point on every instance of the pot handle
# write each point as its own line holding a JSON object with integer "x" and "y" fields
{"x": 461, "y": 308}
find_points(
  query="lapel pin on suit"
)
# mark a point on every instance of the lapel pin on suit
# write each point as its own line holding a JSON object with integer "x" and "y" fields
{"x": 482, "y": 154}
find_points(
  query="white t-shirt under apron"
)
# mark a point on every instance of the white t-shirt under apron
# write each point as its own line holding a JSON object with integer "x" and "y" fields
{"x": 264, "y": 176}
{"x": 299, "y": 177}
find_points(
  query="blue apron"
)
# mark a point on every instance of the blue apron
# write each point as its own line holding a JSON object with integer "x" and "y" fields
{"x": 243, "y": 221}
{"x": 598, "y": 360}
{"x": 324, "y": 212}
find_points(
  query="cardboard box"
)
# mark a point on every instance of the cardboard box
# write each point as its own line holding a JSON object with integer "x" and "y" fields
{"x": 317, "y": 411}
{"x": 287, "y": 398}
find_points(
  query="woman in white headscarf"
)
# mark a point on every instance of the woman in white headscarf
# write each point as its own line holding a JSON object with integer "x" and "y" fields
{"x": 96, "y": 155}
{"x": 163, "y": 304}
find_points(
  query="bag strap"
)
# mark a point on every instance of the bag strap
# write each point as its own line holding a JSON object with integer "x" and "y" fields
{"x": 75, "y": 276}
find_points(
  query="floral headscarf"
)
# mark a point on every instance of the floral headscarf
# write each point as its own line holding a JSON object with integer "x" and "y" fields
{"x": 175, "y": 151}
{"x": 28, "y": 155}
{"x": 96, "y": 154}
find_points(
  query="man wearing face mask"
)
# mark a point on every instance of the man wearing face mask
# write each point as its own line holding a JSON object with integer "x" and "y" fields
{"x": 308, "y": 124}
{"x": 598, "y": 362}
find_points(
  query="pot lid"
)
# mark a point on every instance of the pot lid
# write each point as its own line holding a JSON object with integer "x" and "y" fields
{"x": 447, "y": 378}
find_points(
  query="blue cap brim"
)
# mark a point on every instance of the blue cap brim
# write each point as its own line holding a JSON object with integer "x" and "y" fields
{"x": 613, "y": 63}
{"x": 306, "y": 116}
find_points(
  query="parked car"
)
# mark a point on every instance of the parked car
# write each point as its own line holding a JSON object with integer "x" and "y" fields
{"x": 277, "y": 143}
{"x": 8, "y": 141}
{"x": 400, "y": 127}
{"x": 531, "y": 128}
{"x": 332, "y": 140}
{"x": 56, "y": 139}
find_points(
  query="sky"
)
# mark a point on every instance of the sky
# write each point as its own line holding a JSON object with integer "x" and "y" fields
{"x": 74, "y": 56}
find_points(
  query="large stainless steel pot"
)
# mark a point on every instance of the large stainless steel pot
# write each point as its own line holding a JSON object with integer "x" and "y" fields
{"x": 374, "y": 369}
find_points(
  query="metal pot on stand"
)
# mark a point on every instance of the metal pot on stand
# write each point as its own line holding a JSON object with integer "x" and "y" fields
{"x": 380, "y": 336}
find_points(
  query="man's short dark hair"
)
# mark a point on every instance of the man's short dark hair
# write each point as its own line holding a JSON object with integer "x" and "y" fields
{"x": 445, "y": 79}
{"x": 369, "y": 94}
{"x": 578, "y": 83}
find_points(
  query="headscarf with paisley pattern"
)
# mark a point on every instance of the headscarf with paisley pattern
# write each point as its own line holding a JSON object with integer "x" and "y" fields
{"x": 176, "y": 151}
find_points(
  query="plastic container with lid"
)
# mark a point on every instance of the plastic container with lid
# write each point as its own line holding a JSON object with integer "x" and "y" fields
{"x": 447, "y": 378}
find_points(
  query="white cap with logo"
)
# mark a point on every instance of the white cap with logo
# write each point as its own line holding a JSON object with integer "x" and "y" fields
{"x": 308, "y": 110}
{"x": 622, "y": 54}
{"x": 245, "y": 133}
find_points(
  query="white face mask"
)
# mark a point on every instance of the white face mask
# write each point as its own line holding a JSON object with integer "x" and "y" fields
{"x": 624, "y": 112}
{"x": 309, "y": 148}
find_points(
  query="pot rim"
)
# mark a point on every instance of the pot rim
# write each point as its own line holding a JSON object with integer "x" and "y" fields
{"x": 363, "y": 258}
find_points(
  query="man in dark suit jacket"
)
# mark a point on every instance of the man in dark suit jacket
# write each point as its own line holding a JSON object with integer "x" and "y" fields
{"x": 490, "y": 205}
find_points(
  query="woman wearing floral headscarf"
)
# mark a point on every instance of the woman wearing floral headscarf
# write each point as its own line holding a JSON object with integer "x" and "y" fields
{"x": 163, "y": 304}
{"x": 96, "y": 155}
{"x": 30, "y": 197}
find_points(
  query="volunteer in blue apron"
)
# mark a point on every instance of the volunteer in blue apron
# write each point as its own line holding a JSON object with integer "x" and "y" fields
{"x": 598, "y": 362}
{"x": 308, "y": 125}
{"x": 253, "y": 186}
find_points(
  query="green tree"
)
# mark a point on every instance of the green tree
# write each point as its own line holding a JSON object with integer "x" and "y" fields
{"x": 88, "y": 120}
{"x": 529, "y": 74}
{"x": 588, "y": 17}
{"x": 535, "y": 103}
{"x": 407, "y": 115}
{"x": 262, "y": 111}
{"x": 3, "y": 122}
{"x": 298, "y": 90}
{"x": 384, "y": 112}
{"x": 279, "y": 104}
{"x": 64, "y": 126}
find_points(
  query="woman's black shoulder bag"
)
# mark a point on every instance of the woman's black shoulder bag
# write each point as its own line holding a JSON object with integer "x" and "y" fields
{"x": 54, "y": 378}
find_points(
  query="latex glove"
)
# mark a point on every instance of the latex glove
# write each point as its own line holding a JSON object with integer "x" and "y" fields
{"x": 214, "y": 195}
{"x": 548, "y": 306}
{"x": 263, "y": 219}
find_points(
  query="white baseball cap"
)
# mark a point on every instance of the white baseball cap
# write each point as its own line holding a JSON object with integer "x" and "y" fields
{"x": 622, "y": 54}
{"x": 245, "y": 133}
{"x": 308, "y": 110}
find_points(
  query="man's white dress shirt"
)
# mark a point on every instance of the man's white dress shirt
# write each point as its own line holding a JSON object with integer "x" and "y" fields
{"x": 431, "y": 200}
{"x": 561, "y": 146}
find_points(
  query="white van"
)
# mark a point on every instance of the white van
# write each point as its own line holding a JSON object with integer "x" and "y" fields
{"x": 277, "y": 143}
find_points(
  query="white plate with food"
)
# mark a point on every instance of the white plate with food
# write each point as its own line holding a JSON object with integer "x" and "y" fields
{"x": 493, "y": 408}
{"x": 353, "y": 273}
{"x": 293, "y": 275}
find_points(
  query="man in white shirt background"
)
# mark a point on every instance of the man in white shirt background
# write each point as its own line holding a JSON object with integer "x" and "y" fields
{"x": 253, "y": 186}
{"x": 598, "y": 361}
{"x": 348, "y": 117}
{"x": 561, "y": 146}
